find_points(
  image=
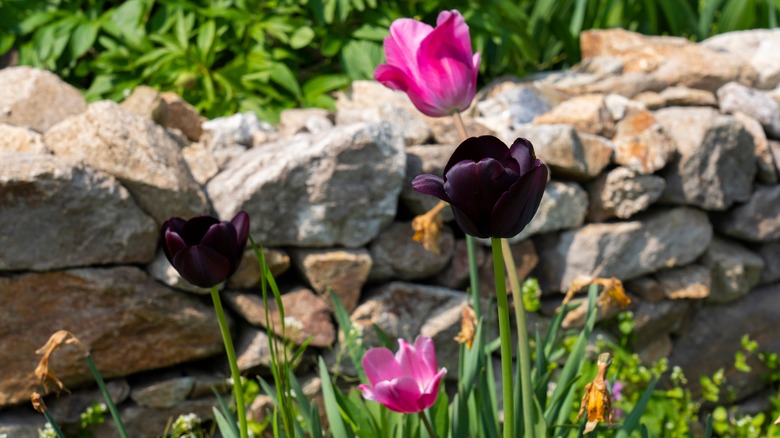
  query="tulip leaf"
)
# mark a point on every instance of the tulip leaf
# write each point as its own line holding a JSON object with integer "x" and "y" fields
{"x": 632, "y": 420}
{"x": 337, "y": 426}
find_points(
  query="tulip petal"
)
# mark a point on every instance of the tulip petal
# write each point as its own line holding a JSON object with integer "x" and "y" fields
{"x": 172, "y": 244}
{"x": 404, "y": 41}
{"x": 467, "y": 225}
{"x": 426, "y": 351}
{"x": 515, "y": 209}
{"x": 222, "y": 238}
{"x": 474, "y": 189}
{"x": 380, "y": 365}
{"x": 392, "y": 77}
{"x": 201, "y": 266}
{"x": 428, "y": 184}
{"x": 431, "y": 391}
{"x": 453, "y": 23}
{"x": 412, "y": 364}
{"x": 523, "y": 152}
{"x": 399, "y": 395}
{"x": 194, "y": 229}
{"x": 241, "y": 222}
{"x": 477, "y": 148}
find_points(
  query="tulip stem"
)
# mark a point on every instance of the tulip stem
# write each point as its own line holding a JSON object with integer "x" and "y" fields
{"x": 505, "y": 337}
{"x": 238, "y": 387}
{"x": 523, "y": 353}
{"x": 460, "y": 126}
{"x": 120, "y": 427}
{"x": 473, "y": 275}
{"x": 428, "y": 425}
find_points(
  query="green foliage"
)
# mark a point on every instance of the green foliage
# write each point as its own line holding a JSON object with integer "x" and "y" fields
{"x": 267, "y": 55}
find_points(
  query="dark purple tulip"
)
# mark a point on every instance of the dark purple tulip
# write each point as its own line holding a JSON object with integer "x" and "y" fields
{"x": 494, "y": 191}
{"x": 204, "y": 250}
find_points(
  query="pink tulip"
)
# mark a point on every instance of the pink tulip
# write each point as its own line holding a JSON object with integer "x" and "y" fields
{"x": 435, "y": 67}
{"x": 407, "y": 382}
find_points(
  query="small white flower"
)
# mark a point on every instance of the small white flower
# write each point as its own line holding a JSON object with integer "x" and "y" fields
{"x": 292, "y": 324}
{"x": 47, "y": 432}
{"x": 187, "y": 422}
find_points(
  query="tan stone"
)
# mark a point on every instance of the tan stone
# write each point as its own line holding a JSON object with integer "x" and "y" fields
{"x": 21, "y": 139}
{"x": 688, "y": 282}
{"x": 598, "y": 152}
{"x": 182, "y": 116}
{"x": 248, "y": 274}
{"x": 641, "y": 144}
{"x": 342, "y": 272}
{"x": 684, "y": 96}
{"x": 146, "y": 102}
{"x": 587, "y": 114}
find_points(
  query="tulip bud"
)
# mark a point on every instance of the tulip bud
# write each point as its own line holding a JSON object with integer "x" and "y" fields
{"x": 434, "y": 67}
{"x": 494, "y": 191}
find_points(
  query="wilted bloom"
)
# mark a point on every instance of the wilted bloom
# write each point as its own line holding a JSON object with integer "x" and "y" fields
{"x": 597, "y": 401}
{"x": 435, "y": 67}
{"x": 406, "y": 382}
{"x": 494, "y": 191}
{"x": 204, "y": 250}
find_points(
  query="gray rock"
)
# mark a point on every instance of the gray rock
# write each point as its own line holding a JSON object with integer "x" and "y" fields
{"x": 339, "y": 188}
{"x": 248, "y": 274}
{"x": 21, "y": 139}
{"x": 734, "y": 270}
{"x": 715, "y": 333}
{"x": 148, "y": 422}
{"x": 757, "y": 220}
{"x": 405, "y": 310}
{"x": 770, "y": 253}
{"x": 166, "y": 393}
{"x": 559, "y": 147}
{"x": 311, "y": 120}
{"x": 756, "y": 47}
{"x": 588, "y": 114}
{"x": 655, "y": 320}
{"x": 341, "y": 272}
{"x": 599, "y": 152}
{"x": 525, "y": 258}
{"x": 622, "y": 193}
{"x": 623, "y": 249}
{"x": 456, "y": 274}
{"x": 359, "y": 105}
{"x": 137, "y": 152}
{"x": 766, "y": 170}
{"x": 420, "y": 160}
{"x": 564, "y": 206}
{"x": 688, "y": 282}
{"x": 734, "y": 97}
{"x": 641, "y": 143}
{"x": 21, "y": 422}
{"x": 68, "y": 410}
{"x": 130, "y": 322}
{"x": 201, "y": 161}
{"x": 57, "y": 213}
{"x": 715, "y": 166}
{"x": 236, "y": 129}
{"x": 396, "y": 256}
{"x": 253, "y": 349}
{"x": 510, "y": 103}
{"x": 37, "y": 99}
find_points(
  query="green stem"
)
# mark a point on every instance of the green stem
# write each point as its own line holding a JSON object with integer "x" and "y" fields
{"x": 473, "y": 275}
{"x": 238, "y": 387}
{"x": 523, "y": 353}
{"x": 120, "y": 427}
{"x": 54, "y": 424}
{"x": 506, "y": 338}
{"x": 428, "y": 425}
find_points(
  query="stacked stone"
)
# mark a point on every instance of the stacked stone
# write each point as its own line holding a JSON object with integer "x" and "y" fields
{"x": 663, "y": 155}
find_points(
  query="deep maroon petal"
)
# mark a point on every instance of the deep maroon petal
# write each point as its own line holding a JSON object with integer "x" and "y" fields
{"x": 172, "y": 244}
{"x": 518, "y": 205}
{"x": 477, "y": 148}
{"x": 202, "y": 266}
{"x": 428, "y": 184}
{"x": 523, "y": 152}
{"x": 241, "y": 222}
{"x": 223, "y": 239}
{"x": 466, "y": 224}
{"x": 194, "y": 229}
{"x": 174, "y": 224}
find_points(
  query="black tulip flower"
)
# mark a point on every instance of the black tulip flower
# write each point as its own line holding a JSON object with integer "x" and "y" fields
{"x": 204, "y": 250}
{"x": 494, "y": 191}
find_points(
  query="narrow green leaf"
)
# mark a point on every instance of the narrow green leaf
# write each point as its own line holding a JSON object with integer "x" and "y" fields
{"x": 83, "y": 38}
{"x": 224, "y": 425}
{"x": 337, "y": 427}
{"x": 302, "y": 37}
{"x": 284, "y": 77}
{"x": 632, "y": 419}
{"x": 206, "y": 35}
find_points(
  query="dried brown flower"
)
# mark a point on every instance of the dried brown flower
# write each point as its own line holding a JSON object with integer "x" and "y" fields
{"x": 468, "y": 327}
{"x": 427, "y": 228}
{"x": 597, "y": 400}
{"x": 58, "y": 339}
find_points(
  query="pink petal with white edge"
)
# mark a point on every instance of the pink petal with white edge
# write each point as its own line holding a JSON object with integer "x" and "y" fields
{"x": 399, "y": 395}
{"x": 428, "y": 397}
{"x": 380, "y": 365}
{"x": 412, "y": 364}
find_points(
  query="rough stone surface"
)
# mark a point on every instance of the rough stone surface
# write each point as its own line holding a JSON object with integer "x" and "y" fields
{"x": 167, "y": 393}
{"x": 734, "y": 97}
{"x": 420, "y": 160}
{"x": 253, "y": 349}
{"x": 757, "y": 47}
{"x": 21, "y": 423}
{"x": 509, "y": 103}
{"x": 656, "y": 350}
{"x": 182, "y": 116}
{"x": 137, "y": 152}
{"x": 248, "y": 274}
{"x": 598, "y": 152}
{"x": 711, "y": 340}
{"x": 624, "y": 249}
{"x": 674, "y": 61}
{"x": 340, "y": 188}
{"x": 766, "y": 169}
{"x": 238, "y": 129}
{"x": 201, "y": 161}
{"x": 734, "y": 270}
{"x": 770, "y": 253}
{"x": 146, "y": 102}
{"x": 57, "y": 213}
{"x": 688, "y": 282}
{"x": 307, "y": 120}
{"x": 405, "y": 310}
{"x": 622, "y": 193}
{"x": 715, "y": 166}
{"x": 130, "y": 322}
{"x": 342, "y": 272}
{"x": 149, "y": 422}
{"x": 641, "y": 144}
{"x": 524, "y": 255}
{"x": 446, "y": 132}
{"x": 559, "y": 147}
{"x": 359, "y": 105}
{"x": 306, "y": 315}
{"x": 653, "y": 320}
{"x": 37, "y": 99}
{"x": 757, "y": 220}
{"x": 456, "y": 274}
{"x": 563, "y": 206}
{"x": 587, "y": 114}
{"x": 396, "y": 256}
{"x": 684, "y": 96}
{"x": 21, "y": 139}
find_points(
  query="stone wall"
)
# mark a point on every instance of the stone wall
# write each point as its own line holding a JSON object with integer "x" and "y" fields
{"x": 664, "y": 161}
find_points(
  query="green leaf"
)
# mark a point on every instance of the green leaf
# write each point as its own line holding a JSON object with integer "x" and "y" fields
{"x": 83, "y": 38}
{"x": 34, "y": 21}
{"x": 360, "y": 58}
{"x": 206, "y": 35}
{"x": 224, "y": 425}
{"x": 181, "y": 30}
{"x": 632, "y": 420}
{"x": 301, "y": 37}
{"x": 371, "y": 32}
{"x": 6, "y": 42}
{"x": 284, "y": 77}
{"x": 324, "y": 84}
{"x": 337, "y": 427}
